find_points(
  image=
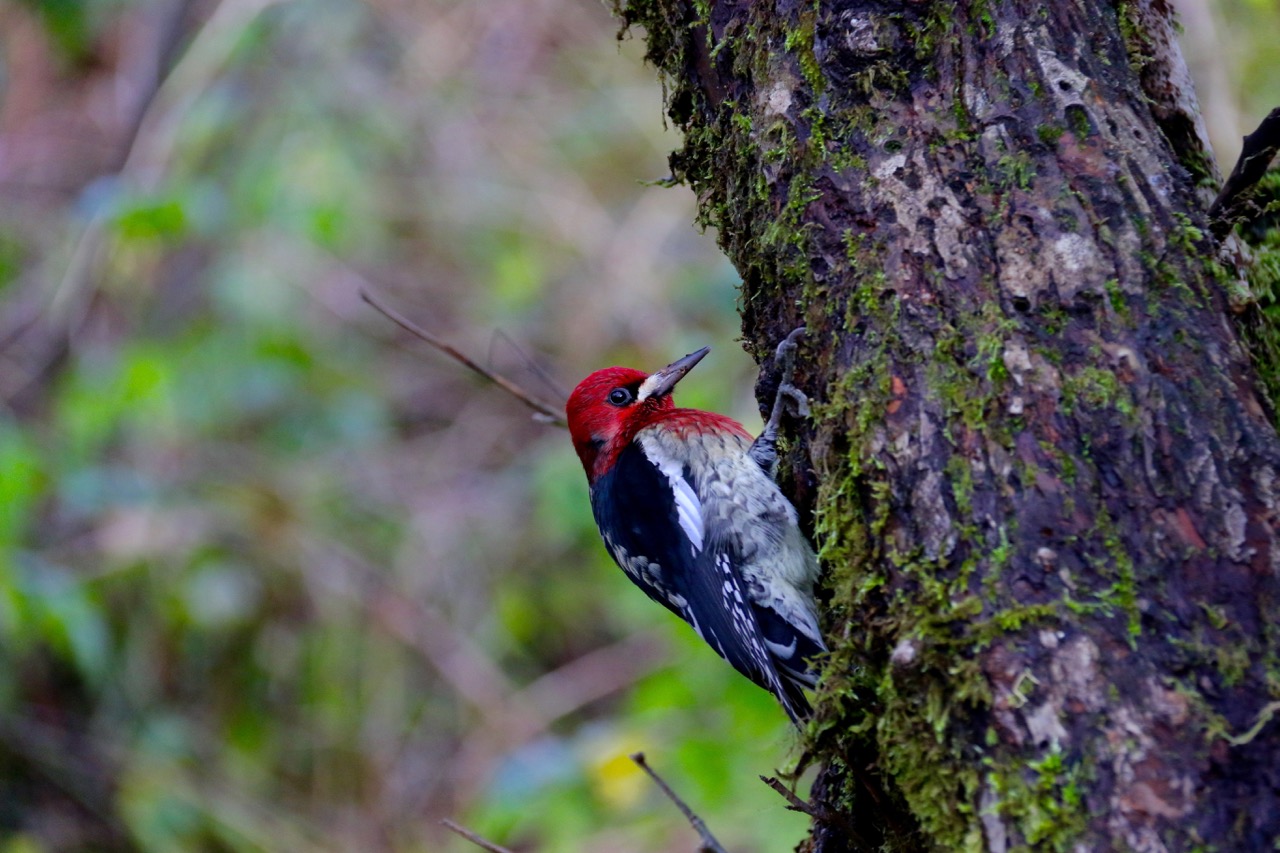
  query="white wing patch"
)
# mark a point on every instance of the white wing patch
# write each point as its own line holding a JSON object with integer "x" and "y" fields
{"x": 779, "y": 651}
{"x": 688, "y": 506}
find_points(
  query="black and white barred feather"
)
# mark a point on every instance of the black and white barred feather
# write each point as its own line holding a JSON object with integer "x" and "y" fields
{"x": 698, "y": 524}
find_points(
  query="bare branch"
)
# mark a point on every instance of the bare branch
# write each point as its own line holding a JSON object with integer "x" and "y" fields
{"x": 473, "y": 838}
{"x": 817, "y": 811}
{"x": 795, "y": 803}
{"x": 1259, "y": 150}
{"x": 545, "y": 412}
{"x": 534, "y": 366}
{"x": 709, "y": 843}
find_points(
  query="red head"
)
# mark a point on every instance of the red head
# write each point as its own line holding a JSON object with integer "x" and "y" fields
{"x": 610, "y": 406}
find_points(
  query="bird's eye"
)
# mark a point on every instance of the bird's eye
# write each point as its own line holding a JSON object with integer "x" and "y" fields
{"x": 619, "y": 396}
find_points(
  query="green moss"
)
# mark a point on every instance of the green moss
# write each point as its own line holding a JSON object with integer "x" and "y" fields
{"x": 881, "y": 76}
{"x": 1233, "y": 663}
{"x": 1049, "y": 134}
{"x": 940, "y": 786}
{"x": 1001, "y": 553}
{"x": 967, "y": 373}
{"x": 980, "y": 12}
{"x": 963, "y": 121}
{"x": 1118, "y": 301}
{"x": 1123, "y": 592}
{"x": 1016, "y": 169}
{"x": 1137, "y": 42}
{"x": 799, "y": 40}
{"x": 1186, "y": 235}
{"x": 1096, "y": 388}
{"x": 1079, "y": 121}
{"x": 1014, "y": 619}
{"x": 1260, "y": 322}
{"x": 1045, "y": 801}
{"x": 847, "y": 160}
{"x": 938, "y": 24}
{"x": 960, "y": 476}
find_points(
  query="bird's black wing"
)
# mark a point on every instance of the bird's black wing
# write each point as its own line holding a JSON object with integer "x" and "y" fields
{"x": 652, "y": 523}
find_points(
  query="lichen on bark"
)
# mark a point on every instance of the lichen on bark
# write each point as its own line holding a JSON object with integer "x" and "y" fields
{"x": 1039, "y": 478}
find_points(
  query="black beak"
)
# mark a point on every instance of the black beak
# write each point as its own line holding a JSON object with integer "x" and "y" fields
{"x": 661, "y": 382}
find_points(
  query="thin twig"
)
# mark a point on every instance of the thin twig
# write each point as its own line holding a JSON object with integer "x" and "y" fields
{"x": 817, "y": 811}
{"x": 475, "y": 839}
{"x": 796, "y": 804}
{"x": 1259, "y": 150}
{"x": 534, "y": 366}
{"x": 709, "y": 843}
{"x": 545, "y": 412}
{"x": 1264, "y": 716}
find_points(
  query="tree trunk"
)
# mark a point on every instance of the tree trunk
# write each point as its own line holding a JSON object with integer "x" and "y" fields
{"x": 1040, "y": 477}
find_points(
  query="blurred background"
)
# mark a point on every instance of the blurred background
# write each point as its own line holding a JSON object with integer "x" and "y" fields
{"x": 274, "y": 575}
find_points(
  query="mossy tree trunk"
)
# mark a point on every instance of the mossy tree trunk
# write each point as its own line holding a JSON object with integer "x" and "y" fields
{"x": 1039, "y": 474}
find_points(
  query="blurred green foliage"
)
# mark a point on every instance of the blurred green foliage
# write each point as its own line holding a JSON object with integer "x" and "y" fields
{"x": 273, "y": 577}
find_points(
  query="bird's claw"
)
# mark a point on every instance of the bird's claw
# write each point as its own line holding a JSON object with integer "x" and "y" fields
{"x": 799, "y": 403}
{"x": 785, "y": 364}
{"x": 788, "y": 398}
{"x": 786, "y": 352}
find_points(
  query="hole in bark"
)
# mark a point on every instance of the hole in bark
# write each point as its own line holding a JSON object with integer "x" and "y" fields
{"x": 1064, "y": 85}
{"x": 1021, "y": 303}
{"x": 1084, "y": 303}
{"x": 1079, "y": 122}
{"x": 893, "y": 146}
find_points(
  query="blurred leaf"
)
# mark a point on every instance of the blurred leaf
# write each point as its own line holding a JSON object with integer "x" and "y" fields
{"x": 69, "y": 617}
{"x": 21, "y": 843}
{"x": 12, "y": 257}
{"x": 154, "y": 803}
{"x": 68, "y": 24}
{"x": 22, "y": 481}
{"x": 218, "y": 595}
{"x": 516, "y": 272}
{"x": 152, "y": 219}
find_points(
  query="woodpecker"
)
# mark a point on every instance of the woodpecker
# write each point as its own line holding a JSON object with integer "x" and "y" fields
{"x": 687, "y": 506}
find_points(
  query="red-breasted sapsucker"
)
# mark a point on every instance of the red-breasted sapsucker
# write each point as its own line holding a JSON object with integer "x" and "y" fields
{"x": 687, "y": 506}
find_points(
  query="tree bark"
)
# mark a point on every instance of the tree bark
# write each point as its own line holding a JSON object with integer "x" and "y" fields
{"x": 1041, "y": 480}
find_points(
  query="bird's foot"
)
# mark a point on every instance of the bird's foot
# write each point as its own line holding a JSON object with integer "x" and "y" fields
{"x": 786, "y": 351}
{"x": 791, "y": 399}
{"x": 788, "y": 399}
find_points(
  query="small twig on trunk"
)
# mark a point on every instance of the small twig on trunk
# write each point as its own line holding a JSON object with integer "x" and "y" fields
{"x": 1264, "y": 717}
{"x": 817, "y": 811}
{"x": 545, "y": 411}
{"x": 477, "y": 840}
{"x": 709, "y": 843}
{"x": 1259, "y": 150}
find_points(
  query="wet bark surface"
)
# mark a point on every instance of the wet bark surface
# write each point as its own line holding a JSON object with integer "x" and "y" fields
{"x": 1039, "y": 476}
